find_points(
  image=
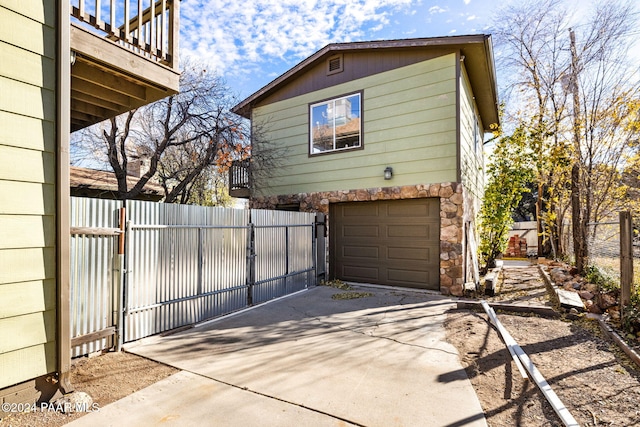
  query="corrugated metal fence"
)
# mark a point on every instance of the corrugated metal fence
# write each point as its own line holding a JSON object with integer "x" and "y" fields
{"x": 183, "y": 264}
{"x": 95, "y": 273}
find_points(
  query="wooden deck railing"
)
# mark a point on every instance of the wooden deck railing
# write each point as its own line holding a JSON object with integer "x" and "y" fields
{"x": 239, "y": 178}
{"x": 147, "y": 27}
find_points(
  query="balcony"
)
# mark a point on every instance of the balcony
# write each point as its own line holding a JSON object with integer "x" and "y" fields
{"x": 124, "y": 55}
{"x": 239, "y": 179}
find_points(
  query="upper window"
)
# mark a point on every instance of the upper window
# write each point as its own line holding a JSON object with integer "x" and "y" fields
{"x": 336, "y": 124}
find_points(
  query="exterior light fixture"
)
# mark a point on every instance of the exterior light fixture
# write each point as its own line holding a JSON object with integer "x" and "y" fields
{"x": 73, "y": 57}
{"x": 388, "y": 172}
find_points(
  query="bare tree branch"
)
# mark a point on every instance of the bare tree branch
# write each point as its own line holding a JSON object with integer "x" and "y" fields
{"x": 187, "y": 140}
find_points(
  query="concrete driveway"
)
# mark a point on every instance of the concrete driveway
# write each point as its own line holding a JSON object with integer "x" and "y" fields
{"x": 309, "y": 360}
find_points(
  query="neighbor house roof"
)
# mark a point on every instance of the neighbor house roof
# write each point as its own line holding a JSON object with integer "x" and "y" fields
{"x": 86, "y": 182}
{"x": 477, "y": 51}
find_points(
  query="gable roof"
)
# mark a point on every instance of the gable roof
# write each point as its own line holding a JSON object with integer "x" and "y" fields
{"x": 477, "y": 51}
{"x": 86, "y": 182}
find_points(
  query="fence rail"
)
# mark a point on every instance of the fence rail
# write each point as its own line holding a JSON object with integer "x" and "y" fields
{"x": 180, "y": 265}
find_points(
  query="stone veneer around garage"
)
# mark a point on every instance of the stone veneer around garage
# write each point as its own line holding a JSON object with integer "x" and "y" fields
{"x": 451, "y": 218}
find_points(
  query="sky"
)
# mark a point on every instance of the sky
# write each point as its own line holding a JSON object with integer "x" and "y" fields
{"x": 249, "y": 43}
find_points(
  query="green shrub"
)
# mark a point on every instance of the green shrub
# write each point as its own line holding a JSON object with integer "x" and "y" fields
{"x": 598, "y": 277}
{"x": 631, "y": 316}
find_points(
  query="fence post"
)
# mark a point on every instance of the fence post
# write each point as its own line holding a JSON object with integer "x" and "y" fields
{"x": 251, "y": 262}
{"x": 119, "y": 279}
{"x": 124, "y": 289}
{"x": 313, "y": 279}
{"x": 626, "y": 259}
{"x": 201, "y": 307}
{"x": 286, "y": 258}
{"x": 320, "y": 246}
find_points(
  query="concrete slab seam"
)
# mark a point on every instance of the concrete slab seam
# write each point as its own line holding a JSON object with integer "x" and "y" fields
{"x": 342, "y": 328}
{"x": 247, "y": 389}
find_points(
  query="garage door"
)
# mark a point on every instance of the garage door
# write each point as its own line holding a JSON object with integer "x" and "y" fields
{"x": 391, "y": 242}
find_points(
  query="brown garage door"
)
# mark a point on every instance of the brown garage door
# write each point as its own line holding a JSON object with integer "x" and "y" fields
{"x": 391, "y": 242}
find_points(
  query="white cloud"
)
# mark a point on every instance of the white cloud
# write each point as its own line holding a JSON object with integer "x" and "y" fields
{"x": 467, "y": 1}
{"x": 233, "y": 35}
{"x": 436, "y": 9}
{"x": 471, "y": 17}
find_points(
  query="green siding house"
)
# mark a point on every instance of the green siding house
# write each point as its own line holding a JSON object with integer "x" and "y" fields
{"x": 31, "y": 167}
{"x": 56, "y": 76}
{"x": 386, "y": 138}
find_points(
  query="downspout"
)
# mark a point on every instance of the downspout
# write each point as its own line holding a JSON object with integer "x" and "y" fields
{"x": 459, "y": 64}
{"x": 63, "y": 126}
{"x": 459, "y": 61}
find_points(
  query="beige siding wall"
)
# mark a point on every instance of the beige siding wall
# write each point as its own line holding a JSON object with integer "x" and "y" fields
{"x": 472, "y": 174}
{"x": 409, "y": 124}
{"x": 471, "y": 138}
{"x": 27, "y": 190}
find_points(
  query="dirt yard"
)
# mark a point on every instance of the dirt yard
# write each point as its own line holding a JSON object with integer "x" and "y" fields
{"x": 593, "y": 378}
{"x": 105, "y": 378}
{"x": 595, "y": 381}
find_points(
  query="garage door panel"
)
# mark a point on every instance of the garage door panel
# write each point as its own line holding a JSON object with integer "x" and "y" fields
{"x": 361, "y": 231}
{"x": 361, "y": 252}
{"x": 408, "y": 211}
{"x": 410, "y": 221}
{"x": 408, "y": 253}
{"x": 407, "y": 276}
{"x": 351, "y": 272}
{"x": 411, "y": 264}
{"x": 408, "y": 231}
{"x": 356, "y": 209}
{"x": 391, "y": 242}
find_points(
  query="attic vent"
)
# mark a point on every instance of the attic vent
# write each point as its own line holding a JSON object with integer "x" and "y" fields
{"x": 335, "y": 65}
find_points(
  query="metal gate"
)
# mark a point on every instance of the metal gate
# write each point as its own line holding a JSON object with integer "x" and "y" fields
{"x": 182, "y": 265}
{"x": 95, "y": 274}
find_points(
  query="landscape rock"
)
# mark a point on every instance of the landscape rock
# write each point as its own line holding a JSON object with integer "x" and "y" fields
{"x": 559, "y": 275}
{"x": 77, "y": 401}
{"x": 586, "y": 295}
{"x": 590, "y": 287}
{"x": 606, "y": 301}
{"x": 592, "y": 307}
{"x": 614, "y": 312}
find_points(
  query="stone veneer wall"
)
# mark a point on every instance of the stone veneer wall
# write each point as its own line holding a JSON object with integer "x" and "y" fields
{"x": 451, "y": 218}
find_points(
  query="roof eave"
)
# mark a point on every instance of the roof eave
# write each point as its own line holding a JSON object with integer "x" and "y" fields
{"x": 492, "y": 108}
{"x": 488, "y": 109}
